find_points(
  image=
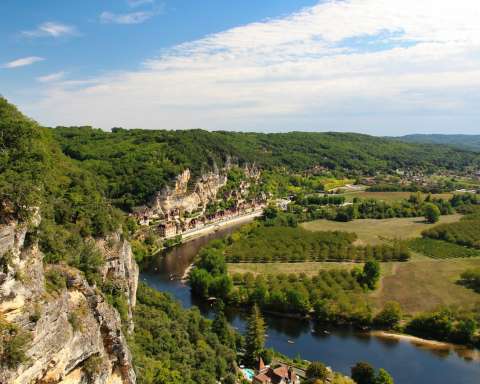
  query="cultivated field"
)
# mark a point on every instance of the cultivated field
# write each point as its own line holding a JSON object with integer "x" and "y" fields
{"x": 372, "y": 231}
{"x": 423, "y": 284}
{"x": 390, "y": 196}
{"x": 309, "y": 268}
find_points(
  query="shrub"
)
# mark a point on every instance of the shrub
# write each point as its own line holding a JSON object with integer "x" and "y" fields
{"x": 13, "y": 345}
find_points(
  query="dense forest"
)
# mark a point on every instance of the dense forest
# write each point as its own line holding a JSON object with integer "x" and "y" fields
{"x": 471, "y": 142}
{"x": 134, "y": 164}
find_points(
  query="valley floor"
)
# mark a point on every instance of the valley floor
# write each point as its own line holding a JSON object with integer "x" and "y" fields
{"x": 374, "y": 231}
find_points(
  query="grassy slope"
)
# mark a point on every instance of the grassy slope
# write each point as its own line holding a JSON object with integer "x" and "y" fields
{"x": 372, "y": 231}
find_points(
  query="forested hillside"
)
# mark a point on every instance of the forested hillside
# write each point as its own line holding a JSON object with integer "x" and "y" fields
{"x": 470, "y": 142}
{"x": 134, "y": 164}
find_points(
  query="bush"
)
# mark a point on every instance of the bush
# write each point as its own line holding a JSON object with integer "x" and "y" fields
{"x": 13, "y": 345}
{"x": 55, "y": 281}
{"x": 317, "y": 371}
{"x": 390, "y": 316}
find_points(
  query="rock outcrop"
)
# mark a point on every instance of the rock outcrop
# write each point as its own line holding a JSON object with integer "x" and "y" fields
{"x": 172, "y": 200}
{"x": 120, "y": 267}
{"x": 75, "y": 336}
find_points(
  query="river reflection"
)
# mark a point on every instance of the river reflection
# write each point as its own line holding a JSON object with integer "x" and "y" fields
{"x": 339, "y": 348}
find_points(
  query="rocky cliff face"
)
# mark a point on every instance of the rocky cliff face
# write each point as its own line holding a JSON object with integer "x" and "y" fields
{"x": 74, "y": 335}
{"x": 180, "y": 199}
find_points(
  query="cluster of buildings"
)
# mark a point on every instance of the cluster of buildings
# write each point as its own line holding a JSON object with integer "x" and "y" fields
{"x": 184, "y": 206}
{"x": 280, "y": 374}
{"x": 176, "y": 224}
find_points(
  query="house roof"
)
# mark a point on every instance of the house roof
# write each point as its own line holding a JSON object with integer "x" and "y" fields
{"x": 262, "y": 378}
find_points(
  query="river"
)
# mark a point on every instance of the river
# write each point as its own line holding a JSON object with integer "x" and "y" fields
{"x": 339, "y": 348}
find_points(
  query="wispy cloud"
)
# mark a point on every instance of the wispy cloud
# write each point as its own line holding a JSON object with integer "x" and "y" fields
{"x": 51, "y": 29}
{"x": 24, "y": 61}
{"x": 52, "y": 77}
{"x": 125, "y": 18}
{"x": 139, "y": 3}
{"x": 353, "y": 65}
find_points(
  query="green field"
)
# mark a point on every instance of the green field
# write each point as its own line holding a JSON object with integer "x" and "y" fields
{"x": 373, "y": 231}
{"x": 390, "y": 196}
{"x": 424, "y": 284}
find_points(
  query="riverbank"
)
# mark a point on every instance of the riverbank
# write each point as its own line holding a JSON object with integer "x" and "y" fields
{"x": 461, "y": 350}
{"x": 213, "y": 227}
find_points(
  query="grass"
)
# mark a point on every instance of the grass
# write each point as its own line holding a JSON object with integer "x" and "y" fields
{"x": 372, "y": 231}
{"x": 390, "y": 196}
{"x": 424, "y": 284}
{"x": 309, "y": 268}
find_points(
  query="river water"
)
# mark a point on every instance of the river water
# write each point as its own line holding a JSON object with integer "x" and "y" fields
{"x": 338, "y": 348}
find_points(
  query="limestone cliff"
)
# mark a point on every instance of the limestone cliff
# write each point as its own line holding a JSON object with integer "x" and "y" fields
{"x": 74, "y": 335}
{"x": 179, "y": 199}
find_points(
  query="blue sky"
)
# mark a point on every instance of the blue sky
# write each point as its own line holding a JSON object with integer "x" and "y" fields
{"x": 369, "y": 66}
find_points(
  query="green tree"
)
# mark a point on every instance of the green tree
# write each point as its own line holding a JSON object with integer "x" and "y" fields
{"x": 363, "y": 373}
{"x": 432, "y": 213}
{"x": 221, "y": 327}
{"x": 390, "y": 315}
{"x": 317, "y": 371}
{"x": 383, "y": 377}
{"x": 371, "y": 273}
{"x": 255, "y": 337}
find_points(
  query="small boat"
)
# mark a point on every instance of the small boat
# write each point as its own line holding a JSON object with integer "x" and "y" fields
{"x": 290, "y": 342}
{"x": 326, "y": 332}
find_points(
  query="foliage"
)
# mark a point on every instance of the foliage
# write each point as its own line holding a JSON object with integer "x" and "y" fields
{"x": 174, "y": 345}
{"x": 446, "y": 324}
{"x": 371, "y": 273}
{"x": 255, "y": 336}
{"x": 432, "y": 213}
{"x": 155, "y": 157}
{"x": 471, "y": 279}
{"x": 330, "y": 207}
{"x": 440, "y": 249}
{"x": 389, "y": 317}
{"x": 55, "y": 281}
{"x": 465, "y": 232}
{"x": 317, "y": 371}
{"x": 259, "y": 243}
{"x": 13, "y": 344}
{"x": 35, "y": 173}
{"x": 383, "y": 377}
{"x": 364, "y": 373}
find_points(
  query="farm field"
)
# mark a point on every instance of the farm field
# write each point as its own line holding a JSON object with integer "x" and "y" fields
{"x": 424, "y": 284}
{"x": 373, "y": 231}
{"x": 389, "y": 196}
{"x": 309, "y": 268}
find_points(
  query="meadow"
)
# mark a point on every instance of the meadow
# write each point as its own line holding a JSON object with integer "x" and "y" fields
{"x": 424, "y": 284}
{"x": 374, "y": 231}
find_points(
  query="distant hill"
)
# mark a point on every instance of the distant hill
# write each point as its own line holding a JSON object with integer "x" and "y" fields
{"x": 471, "y": 142}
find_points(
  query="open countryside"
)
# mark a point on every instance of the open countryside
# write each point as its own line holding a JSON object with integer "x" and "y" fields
{"x": 374, "y": 231}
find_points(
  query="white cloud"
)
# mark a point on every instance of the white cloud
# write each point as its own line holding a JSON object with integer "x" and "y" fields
{"x": 51, "y": 29}
{"x": 23, "y": 62}
{"x": 125, "y": 18}
{"x": 138, "y": 3}
{"x": 57, "y": 76}
{"x": 354, "y": 65}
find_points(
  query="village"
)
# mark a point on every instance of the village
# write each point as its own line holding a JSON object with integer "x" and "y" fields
{"x": 180, "y": 212}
